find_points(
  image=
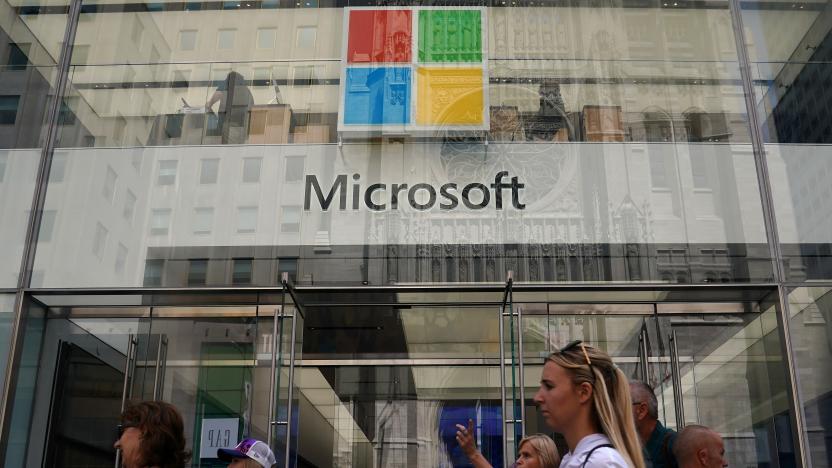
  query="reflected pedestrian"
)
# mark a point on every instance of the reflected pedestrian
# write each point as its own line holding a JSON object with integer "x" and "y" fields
{"x": 151, "y": 434}
{"x": 699, "y": 447}
{"x": 656, "y": 439}
{"x": 534, "y": 451}
{"x": 586, "y": 398}
{"x": 235, "y": 103}
{"x": 249, "y": 453}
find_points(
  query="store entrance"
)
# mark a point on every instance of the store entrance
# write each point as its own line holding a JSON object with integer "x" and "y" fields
{"x": 339, "y": 378}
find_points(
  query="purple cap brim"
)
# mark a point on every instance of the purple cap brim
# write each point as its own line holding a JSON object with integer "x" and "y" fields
{"x": 229, "y": 454}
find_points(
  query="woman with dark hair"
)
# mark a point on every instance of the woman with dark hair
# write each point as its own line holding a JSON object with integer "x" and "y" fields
{"x": 151, "y": 434}
{"x": 585, "y": 397}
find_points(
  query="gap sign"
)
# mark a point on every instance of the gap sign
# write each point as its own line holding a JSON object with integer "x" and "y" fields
{"x": 412, "y": 69}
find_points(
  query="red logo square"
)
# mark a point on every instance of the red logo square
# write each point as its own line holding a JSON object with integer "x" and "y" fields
{"x": 379, "y": 36}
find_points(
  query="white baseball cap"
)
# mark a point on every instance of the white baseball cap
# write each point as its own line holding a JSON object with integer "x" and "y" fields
{"x": 249, "y": 448}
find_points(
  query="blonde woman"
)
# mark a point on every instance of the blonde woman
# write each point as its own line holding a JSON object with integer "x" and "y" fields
{"x": 535, "y": 451}
{"x": 586, "y": 398}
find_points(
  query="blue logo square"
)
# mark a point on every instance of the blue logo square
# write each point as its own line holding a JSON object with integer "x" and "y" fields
{"x": 377, "y": 95}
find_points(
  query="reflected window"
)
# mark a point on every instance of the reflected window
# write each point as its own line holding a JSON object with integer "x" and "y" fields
{"x": 121, "y": 258}
{"x": 66, "y": 116}
{"x": 8, "y": 109}
{"x": 153, "y": 272}
{"x": 658, "y": 170}
{"x": 203, "y": 220}
{"x": 47, "y": 225}
{"x": 99, "y": 240}
{"x": 208, "y": 171}
{"x": 266, "y": 38}
{"x": 304, "y": 76}
{"x": 251, "y": 169}
{"x": 129, "y": 206}
{"x": 197, "y": 272}
{"x": 287, "y": 265}
{"x": 167, "y": 172}
{"x": 241, "y": 271}
{"x": 306, "y": 37}
{"x": 294, "y": 168}
{"x": 58, "y": 169}
{"x": 290, "y": 219}
{"x": 187, "y": 39}
{"x": 246, "y": 219}
{"x": 699, "y": 169}
{"x": 109, "y": 189}
{"x": 225, "y": 38}
{"x": 160, "y": 222}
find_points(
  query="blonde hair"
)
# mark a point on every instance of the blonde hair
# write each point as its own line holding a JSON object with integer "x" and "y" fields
{"x": 545, "y": 448}
{"x": 612, "y": 405}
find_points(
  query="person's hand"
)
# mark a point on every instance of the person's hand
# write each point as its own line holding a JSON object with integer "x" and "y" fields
{"x": 465, "y": 438}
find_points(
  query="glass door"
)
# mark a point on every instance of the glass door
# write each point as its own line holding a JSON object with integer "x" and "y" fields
{"x": 285, "y": 346}
{"x": 512, "y": 372}
{"x": 627, "y": 332}
{"x": 726, "y": 373}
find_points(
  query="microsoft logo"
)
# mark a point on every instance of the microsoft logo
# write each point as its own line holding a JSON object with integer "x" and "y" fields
{"x": 413, "y": 69}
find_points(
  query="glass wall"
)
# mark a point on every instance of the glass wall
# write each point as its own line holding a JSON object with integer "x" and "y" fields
{"x": 29, "y": 51}
{"x": 791, "y": 51}
{"x": 811, "y": 334}
{"x": 213, "y": 139}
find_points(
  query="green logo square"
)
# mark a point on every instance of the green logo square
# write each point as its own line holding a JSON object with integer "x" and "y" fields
{"x": 450, "y": 36}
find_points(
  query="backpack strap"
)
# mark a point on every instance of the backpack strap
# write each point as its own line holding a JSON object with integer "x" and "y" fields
{"x": 586, "y": 459}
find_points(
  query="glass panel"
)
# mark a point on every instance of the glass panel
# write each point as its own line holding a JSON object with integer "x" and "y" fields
{"x": 811, "y": 337}
{"x": 214, "y": 368}
{"x": 17, "y": 186}
{"x": 695, "y": 227}
{"x": 778, "y": 31}
{"x": 6, "y": 320}
{"x": 74, "y": 360}
{"x": 801, "y": 202}
{"x": 733, "y": 380}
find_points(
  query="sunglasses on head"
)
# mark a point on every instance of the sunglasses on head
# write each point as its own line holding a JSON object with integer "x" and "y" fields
{"x": 574, "y": 344}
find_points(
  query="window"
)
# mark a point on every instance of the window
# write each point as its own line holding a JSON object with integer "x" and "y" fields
{"x": 66, "y": 116}
{"x": 129, "y": 206}
{"x": 658, "y": 170}
{"x": 8, "y": 109}
{"x": 251, "y": 169}
{"x": 47, "y": 225}
{"x": 225, "y": 38}
{"x": 153, "y": 272}
{"x": 160, "y": 222}
{"x": 167, "y": 172}
{"x": 57, "y": 171}
{"x": 287, "y": 265}
{"x": 121, "y": 258}
{"x": 4, "y": 160}
{"x": 109, "y": 189}
{"x": 290, "y": 219}
{"x": 241, "y": 273}
{"x": 306, "y": 37}
{"x": 294, "y": 169}
{"x": 699, "y": 167}
{"x": 246, "y": 219}
{"x": 99, "y": 240}
{"x": 208, "y": 171}
{"x": 18, "y": 56}
{"x": 187, "y": 39}
{"x": 197, "y": 272}
{"x": 203, "y": 220}
{"x": 266, "y": 38}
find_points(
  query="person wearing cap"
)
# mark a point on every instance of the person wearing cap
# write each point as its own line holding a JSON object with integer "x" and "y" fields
{"x": 249, "y": 453}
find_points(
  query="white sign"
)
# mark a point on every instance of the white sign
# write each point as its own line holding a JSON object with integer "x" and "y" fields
{"x": 216, "y": 434}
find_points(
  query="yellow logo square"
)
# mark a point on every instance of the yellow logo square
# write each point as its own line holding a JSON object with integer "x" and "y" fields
{"x": 449, "y": 96}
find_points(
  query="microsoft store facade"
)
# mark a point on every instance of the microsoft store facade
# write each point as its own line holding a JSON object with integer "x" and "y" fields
{"x": 346, "y": 226}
